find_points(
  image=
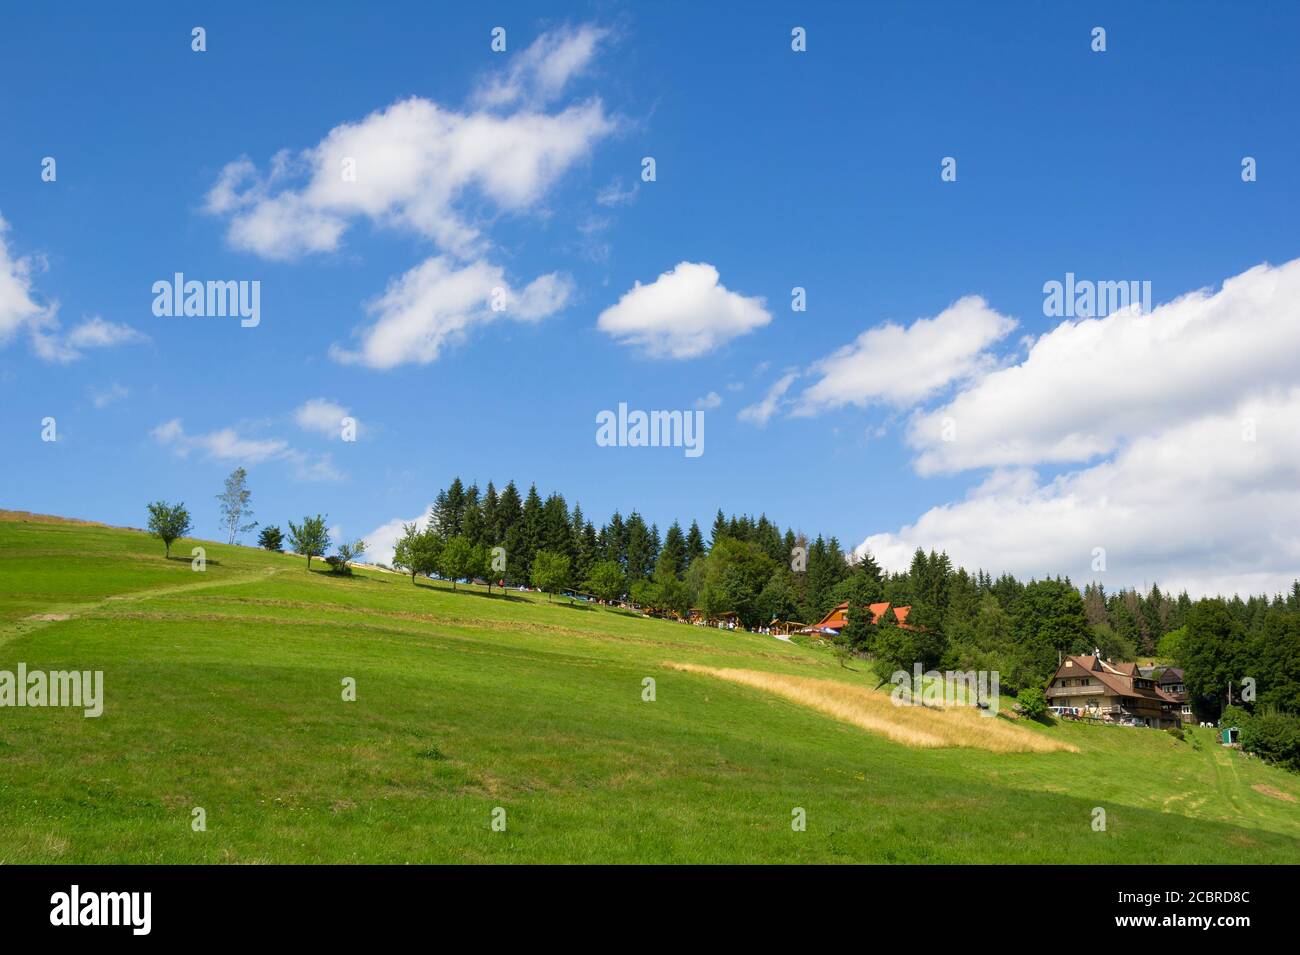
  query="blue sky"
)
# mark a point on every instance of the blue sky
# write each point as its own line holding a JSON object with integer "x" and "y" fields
{"x": 776, "y": 168}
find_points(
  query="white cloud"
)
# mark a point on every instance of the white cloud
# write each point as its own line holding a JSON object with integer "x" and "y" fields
{"x": 18, "y": 309}
{"x": 323, "y": 416}
{"x": 901, "y": 366}
{"x": 381, "y": 541}
{"x": 1089, "y": 386}
{"x": 312, "y": 468}
{"x": 223, "y": 445}
{"x": 436, "y": 303}
{"x": 438, "y": 172}
{"x": 1181, "y": 430}
{"x": 684, "y": 313}
{"x": 229, "y": 446}
{"x": 103, "y": 397}
{"x": 97, "y": 333}
{"x": 542, "y": 71}
{"x": 761, "y": 412}
{"x": 615, "y": 195}
{"x": 414, "y": 162}
{"x": 709, "y": 401}
{"x": 50, "y": 345}
{"x": 169, "y": 432}
{"x": 1190, "y": 506}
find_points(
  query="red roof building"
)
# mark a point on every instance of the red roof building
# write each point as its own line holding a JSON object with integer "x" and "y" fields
{"x": 838, "y": 618}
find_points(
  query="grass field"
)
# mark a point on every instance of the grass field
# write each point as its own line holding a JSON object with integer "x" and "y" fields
{"x": 223, "y": 690}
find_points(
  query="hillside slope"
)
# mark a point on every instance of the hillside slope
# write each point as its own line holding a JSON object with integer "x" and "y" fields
{"x": 224, "y": 692}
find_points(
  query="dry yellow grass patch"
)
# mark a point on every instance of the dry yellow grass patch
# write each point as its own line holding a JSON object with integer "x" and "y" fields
{"x": 1273, "y": 791}
{"x": 875, "y": 711}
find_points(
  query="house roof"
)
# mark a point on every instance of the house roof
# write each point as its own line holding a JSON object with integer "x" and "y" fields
{"x": 1116, "y": 677}
{"x": 1172, "y": 675}
{"x": 838, "y": 618}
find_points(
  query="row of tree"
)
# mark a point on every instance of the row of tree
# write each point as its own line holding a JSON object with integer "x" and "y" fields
{"x": 309, "y": 538}
{"x": 646, "y": 561}
{"x": 1239, "y": 651}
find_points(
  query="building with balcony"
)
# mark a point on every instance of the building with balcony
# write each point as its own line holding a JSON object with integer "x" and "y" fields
{"x": 1171, "y": 685}
{"x": 1113, "y": 692}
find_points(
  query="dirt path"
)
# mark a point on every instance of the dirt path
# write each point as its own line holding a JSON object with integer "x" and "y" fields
{"x": 58, "y": 613}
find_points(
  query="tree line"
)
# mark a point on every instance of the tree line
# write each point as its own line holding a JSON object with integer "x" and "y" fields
{"x": 310, "y": 537}
{"x": 1236, "y": 652}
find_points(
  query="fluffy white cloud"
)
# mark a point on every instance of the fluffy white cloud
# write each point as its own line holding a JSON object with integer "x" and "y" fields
{"x": 97, "y": 333}
{"x": 684, "y": 313}
{"x": 900, "y": 366}
{"x": 709, "y": 401}
{"x": 322, "y": 416}
{"x": 761, "y": 412}
{"x": 436, "y": 303}
{"x": 437, "y": 172}
{"x": 1181, "y": 430}
{"x": 51, "y": 345}
{"x": 18, "y": 308}
{"x": 1195, "y": 505}
{"x": 542, "y": 71}
{"x": 381, "y": 541}
{"x": 414, "y": 163}
{"x": 223, "y": 445}
{"x": 1089, "y": 386}
{"x": 229, "y": 446}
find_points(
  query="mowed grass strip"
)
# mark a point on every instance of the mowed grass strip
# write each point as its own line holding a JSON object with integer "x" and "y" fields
{"x": 876, "y": 712}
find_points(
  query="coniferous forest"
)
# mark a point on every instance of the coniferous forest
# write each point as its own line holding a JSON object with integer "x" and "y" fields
{"x": 1236, "y": 651}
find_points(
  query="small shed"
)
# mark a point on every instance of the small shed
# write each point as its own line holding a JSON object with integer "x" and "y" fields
{"x": 1228, "y": 735}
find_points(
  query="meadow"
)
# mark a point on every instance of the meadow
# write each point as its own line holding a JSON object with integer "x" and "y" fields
{"x": 224, "y": 691}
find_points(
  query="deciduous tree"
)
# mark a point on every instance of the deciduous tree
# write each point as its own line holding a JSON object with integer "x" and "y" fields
{"x": 235, "y": 504}
{"x": 311, "y": 538}
{"x": 168, "y": 522}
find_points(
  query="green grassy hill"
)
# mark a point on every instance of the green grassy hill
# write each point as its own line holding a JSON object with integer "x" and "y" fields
{"x": 223, "y": 691}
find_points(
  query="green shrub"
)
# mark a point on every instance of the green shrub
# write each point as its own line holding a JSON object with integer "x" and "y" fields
{"x": 1176, "y": 732}
{"x": 1032, "y": 703}
{"x": 1273, "y": 736}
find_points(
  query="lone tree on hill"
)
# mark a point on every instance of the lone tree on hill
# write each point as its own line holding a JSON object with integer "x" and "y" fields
{"x": 271, "y": 538}
{"x": 310, "y": 538}
{"x": 550, "y": 571}
{"x": 168, "y": 522}
{"x": 235, "y": 507}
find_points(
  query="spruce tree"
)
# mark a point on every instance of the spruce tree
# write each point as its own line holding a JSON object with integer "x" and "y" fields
{"x": 674, "y": 548}
{"x": 719, "y": 529}
{"x": 695, "y": 548}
